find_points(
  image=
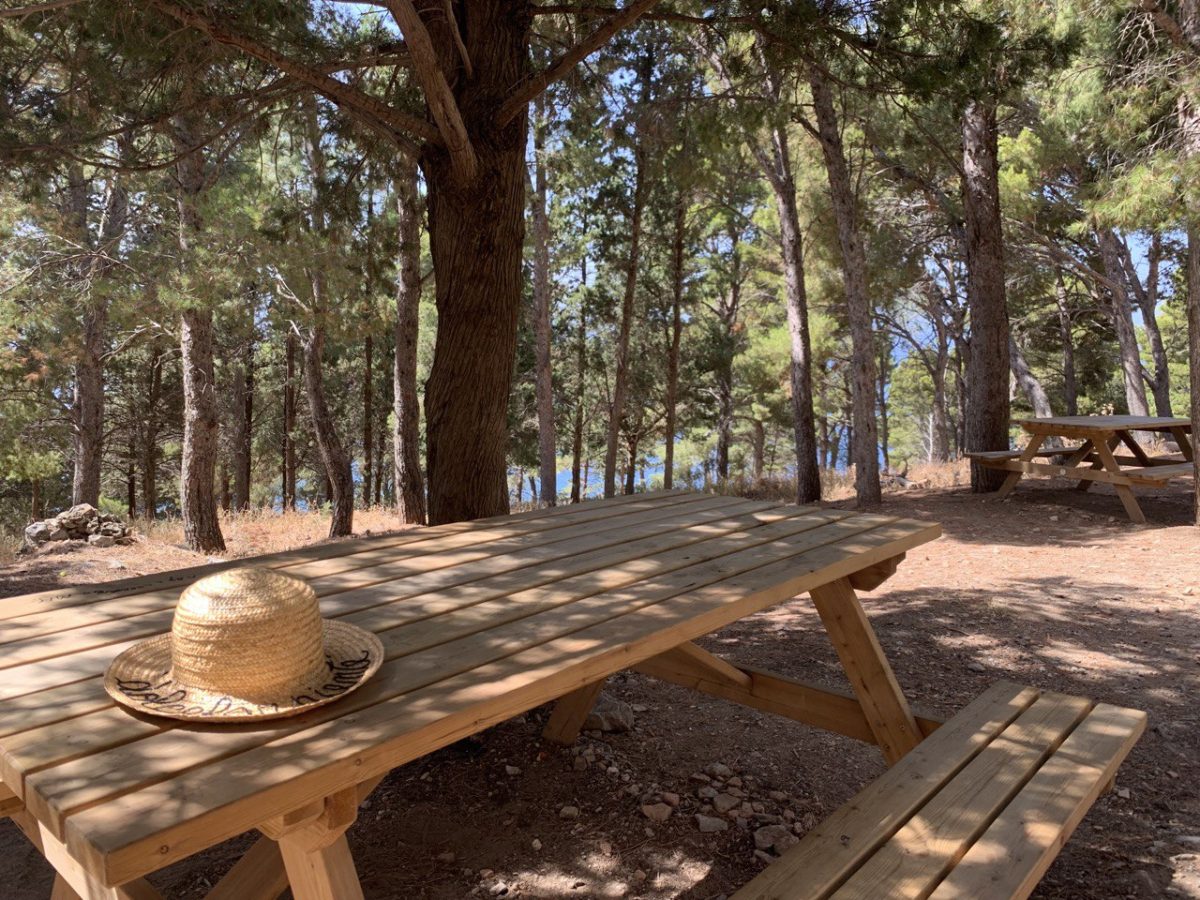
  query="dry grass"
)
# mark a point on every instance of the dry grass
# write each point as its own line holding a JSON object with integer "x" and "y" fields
{"x": 838, "y": 485}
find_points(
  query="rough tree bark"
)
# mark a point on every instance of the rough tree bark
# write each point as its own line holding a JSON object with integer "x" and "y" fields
{"x": 1030, "y": 386}
{"x": 409, "y": 484}
{"x": 1146, "y": 296}
{"x": 201, "y": 427}
{"x": 368, "y": 412}
{"x": 288, "y": 444}
{"x": 243, "y": 408}
{"x": 149, "y": 434}
{"x": 621, "y": 373}
{"x": 477, "y": 233}
{"x": 577, "y": 488}
{"x": 865, "y": 447}
{"x": 1121, "y": 314}
{"x": 543, "y": 376}
{"x": 986, "y": 414}
{"x": 727, "y": 308}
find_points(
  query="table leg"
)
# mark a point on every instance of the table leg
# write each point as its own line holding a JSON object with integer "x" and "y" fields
{"x": 1134, "y": 447}
{"x": 1124, "y": 491}
{"x": 1185, "y": 445}
{"x": 1010, "y": 481}
{"x": 569, "y": 714}
{"x": 1085, "y": 484}
{"x": 258, "y": 875}
{"x": 313, "y": 845}
{"x": 887, "y": 711}
{"x": 62, "y": 890}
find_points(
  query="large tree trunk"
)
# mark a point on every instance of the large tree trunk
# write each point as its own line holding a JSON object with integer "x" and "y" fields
{"x": 201, "y": 427}
{"x": 338, "y": 471}
{"x": 1070, "y": 390}
{"x": 1030, "y": 386}
{"x": 543, "y": 376}
{"x": 621, "y": 376}
{"x": 986, "y": 414}
{"x": 409, "y": 484}
{"x": 865, "y": 448}
{"x": 728, "y": 309}
{"x": 477, "y": 233}
{"x": 1121, "y": 313}
{"x": 671, "y": 401}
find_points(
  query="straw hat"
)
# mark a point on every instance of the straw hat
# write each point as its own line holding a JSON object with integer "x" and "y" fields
{"x": 245, "y": 643}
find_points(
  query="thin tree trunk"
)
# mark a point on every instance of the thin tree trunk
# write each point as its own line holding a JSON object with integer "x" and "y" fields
{"x": 631, "y": 445}
{"x": 621, "y": 377}
{"x": 728, "y": 308}
{"x": 338, "y": 471}
{"x": 131, "y": 481}
{"x": 1193, "y": 319}
{"x": 477, "y": 234}
{"x": 986, "y": 412}
{"x": 1030, "y": 386}
{"x": 758, "y": 446}
{"x": 865, "y": 448}
{"x": 1121, "y": 313}
{"x": 289, "y": 422}
{"x": 1070, "y": 390}
{"x": 676, "y": 333}
{"x": 368, "y": 423}
{"x": 201, "y": 426}
{"x": 408, "y": 483}
{"x": 1147, "y": 301}
{"x": 543, "y": 375}
{"x": 150, "y": 436}
{"x": 884, "y": 367}
{"x": 243, "y": 439}
{"x": 36, "y": 503}
{"x": 577, "y": 488}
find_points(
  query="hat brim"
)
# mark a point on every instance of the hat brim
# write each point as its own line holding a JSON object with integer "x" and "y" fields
{"x": 141, "y": 679}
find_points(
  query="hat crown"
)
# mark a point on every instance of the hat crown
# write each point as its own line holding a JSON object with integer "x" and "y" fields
{"x": 247, "y": 632}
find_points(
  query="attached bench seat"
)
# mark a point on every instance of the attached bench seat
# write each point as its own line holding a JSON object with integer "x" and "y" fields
{"x": 979, "y": 809}
{"x": 986, "y": 456}
{"x": 1160, "y": 474}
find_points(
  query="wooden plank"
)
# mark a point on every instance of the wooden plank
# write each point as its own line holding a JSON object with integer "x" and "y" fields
{"x": 75, "y": 597}
{"x": 1009, "y": 859}
{"x": 453, "y": 567}
{"x": 9, "y": 802}
{"x": 1030, "y": 451}
{"x": 434, "y": 619}
{"x": 62, "y": 889}
{"x": 870, "y": 578}
{"x": 1127, "y": 499}
{"x": 1139, "y": 452}
{"x": 166, "y": 821}
{"x": 800, "y": 701}
{"x": 1161, "y": 473}
{"x": 918, "y": 856}
{"x": 85, "y": 767}
{"x": 258, "y": 875}
{"x": 837, "y": 846}
{"x": 569, "y": 714}
{"x": 896, "y": 731}
{"x": 323, "y": 873}
{"x": 1180, "y": 434}
{"x": 436, "y": 554}
{"x": 1032, "y": 468}
{"x": 1092, "y": 425}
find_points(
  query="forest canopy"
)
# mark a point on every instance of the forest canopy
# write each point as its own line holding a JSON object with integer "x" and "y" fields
{"x": 448, "y": 255}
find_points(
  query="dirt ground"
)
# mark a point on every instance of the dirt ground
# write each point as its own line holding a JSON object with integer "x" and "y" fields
{"x": 1052, "y": 587}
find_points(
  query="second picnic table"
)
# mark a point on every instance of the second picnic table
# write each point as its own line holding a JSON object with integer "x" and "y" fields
{"x": 1094, "y": 459}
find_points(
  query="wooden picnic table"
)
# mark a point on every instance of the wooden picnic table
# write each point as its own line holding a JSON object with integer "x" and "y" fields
{"x": 1093, "y": 458}
{"x": 480, "y": 621}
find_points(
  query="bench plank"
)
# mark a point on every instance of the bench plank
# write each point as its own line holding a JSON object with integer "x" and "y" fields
{"x": 1009, "y": 859}
{"x": 837, "y": 846}
{"x": 920, "y": 854}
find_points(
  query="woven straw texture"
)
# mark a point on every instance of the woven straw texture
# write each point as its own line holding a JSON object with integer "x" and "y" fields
{"x": 245, "y": 643}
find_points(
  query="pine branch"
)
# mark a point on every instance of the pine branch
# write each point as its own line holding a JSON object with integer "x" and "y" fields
{"x": 22, "y": 11}
{"x": 561, "y": 67}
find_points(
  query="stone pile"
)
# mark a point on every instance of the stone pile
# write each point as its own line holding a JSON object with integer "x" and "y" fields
{"x": 82, "y": 522}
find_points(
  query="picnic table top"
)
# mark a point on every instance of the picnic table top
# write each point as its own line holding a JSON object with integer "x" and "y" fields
{"x": 1103, "y": 424}
{"x": 480, "y": 621}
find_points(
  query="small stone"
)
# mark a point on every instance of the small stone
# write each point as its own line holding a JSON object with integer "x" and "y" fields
{"x": 708, "y": 792}
{"x": 777, "y": 838}
{"x": 499, "y": 889}
{"x": 640, "y": 708}
{"x": 639, "y": 875}
{"x": 699, "y": 778}
{"x": 535, "y": 844}
{"x": 764, "y": 857}
{"x": 580, "y": 764}
{"x": 719, "y": 770}
{"x": 723, "y": 803}
{"x": 101, "y": 540}
{"x": 447, "y": 857}
{"x": 777, "y": 796}
{"x": 610, "y": 715}
{"x": 670, "y": 798}
{"x": 512, "y": 770}
{"x": 58, "y": 533}
{"x": 569, "y": 812}
{"x": 37, "y": 533}
{"x": 486, "y": 873}
{"x": 710, "y": 824}
{"x": 116, "y": 564}
{"x": 656, "y": 812}
{"x": 735, "y": 782}
{"x": 1123, "y": 793}
{"x": 976, "y": 667}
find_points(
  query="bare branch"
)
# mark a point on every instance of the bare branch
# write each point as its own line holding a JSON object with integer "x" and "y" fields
{"x": 1168, "y": 26}
{"x": 442, "y": 105}
{"x": 535, "y": 84}
{"x": 22, "y": 11}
